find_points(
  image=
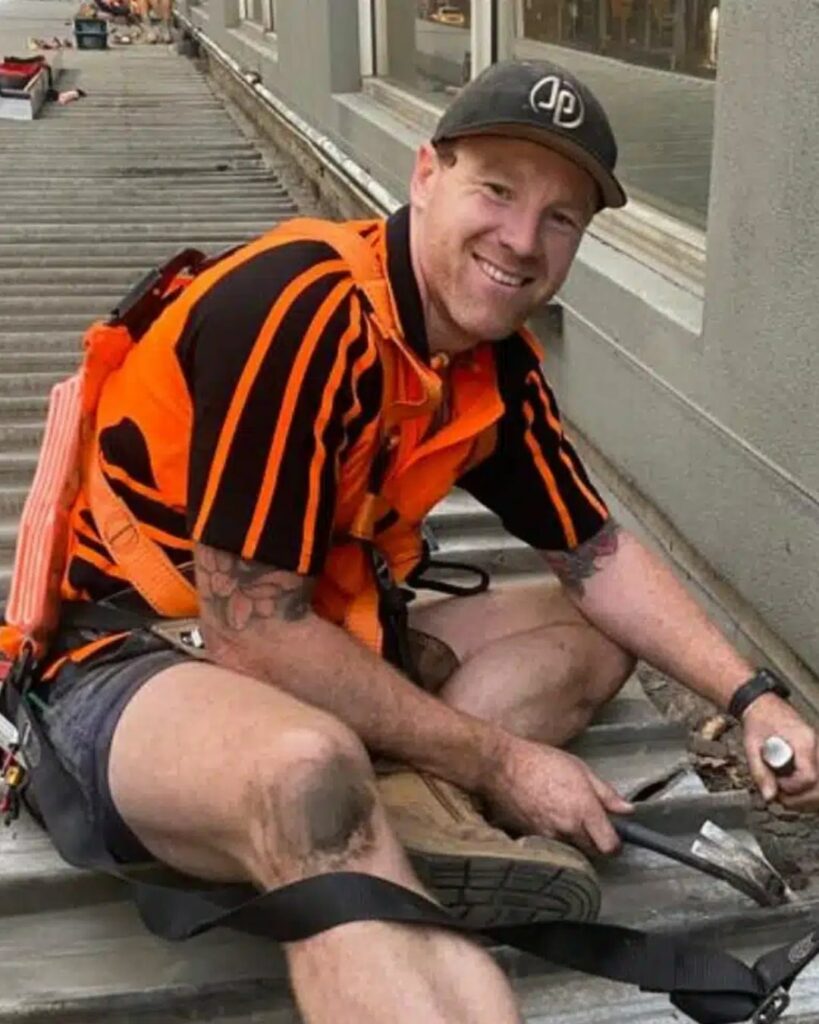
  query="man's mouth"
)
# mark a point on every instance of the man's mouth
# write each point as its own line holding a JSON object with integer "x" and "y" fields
{"x": 501, "y": 276}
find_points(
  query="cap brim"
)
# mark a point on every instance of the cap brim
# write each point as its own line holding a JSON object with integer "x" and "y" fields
{"x": 611, "y": 190}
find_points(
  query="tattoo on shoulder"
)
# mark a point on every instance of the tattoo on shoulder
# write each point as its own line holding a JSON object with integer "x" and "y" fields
{"x": 574, "y": 567}
{"x": 239, "y": 593}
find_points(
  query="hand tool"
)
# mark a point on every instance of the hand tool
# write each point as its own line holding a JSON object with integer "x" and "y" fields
{"x": 717, "y": 853}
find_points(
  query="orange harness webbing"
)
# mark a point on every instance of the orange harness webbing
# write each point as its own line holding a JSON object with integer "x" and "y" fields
{"x": 142, "y": 561}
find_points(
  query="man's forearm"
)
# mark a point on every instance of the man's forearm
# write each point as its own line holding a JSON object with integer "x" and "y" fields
{"x": 630, "y": 594}
{"x": 322, "y": 665}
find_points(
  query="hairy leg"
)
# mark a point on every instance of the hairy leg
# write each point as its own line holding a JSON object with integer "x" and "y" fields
{"x": 529, "y": 659}
{"x": 227, "y": 778}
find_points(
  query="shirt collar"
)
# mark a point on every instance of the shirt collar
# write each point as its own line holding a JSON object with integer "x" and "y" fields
{"x": 404, "y": 287}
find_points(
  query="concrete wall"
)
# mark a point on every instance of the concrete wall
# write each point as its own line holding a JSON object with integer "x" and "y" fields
{"x": 708, "y": 409}
{"x": 761, "y": 346}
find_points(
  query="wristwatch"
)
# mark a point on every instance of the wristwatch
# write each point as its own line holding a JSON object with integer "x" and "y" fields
{"x": 762, "y": 681}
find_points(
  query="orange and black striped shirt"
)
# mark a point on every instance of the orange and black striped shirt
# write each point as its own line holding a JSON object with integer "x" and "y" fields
{"x": 282, "y": 377}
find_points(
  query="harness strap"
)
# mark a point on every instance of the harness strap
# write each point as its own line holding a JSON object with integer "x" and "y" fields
{"x": 104, "y": 617}
{"x": 141, "y": 559}
{"x": 140, "y": 307}
{"x": 392, "y": 609}
{"x": 418, "y": 577}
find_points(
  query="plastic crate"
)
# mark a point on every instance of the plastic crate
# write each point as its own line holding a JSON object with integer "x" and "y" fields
{"x": 91, "y": 33}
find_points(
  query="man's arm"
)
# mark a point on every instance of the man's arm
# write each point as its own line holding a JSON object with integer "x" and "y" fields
{"x": 258, "y": 620}
{"x": 634, "y": 598}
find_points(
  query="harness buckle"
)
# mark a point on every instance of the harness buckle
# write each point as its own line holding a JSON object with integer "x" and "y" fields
{"x": 21, "y": 674}
{"x": 143, "y": 302}
{"x": 13, "y": 781}
{"x": 13, "y": 773}
{"x": 772, "y": 1008}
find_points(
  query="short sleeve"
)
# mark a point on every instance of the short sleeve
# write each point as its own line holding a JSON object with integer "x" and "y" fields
{"x": 284, "y": 376}
{"x": 534, "y": 480}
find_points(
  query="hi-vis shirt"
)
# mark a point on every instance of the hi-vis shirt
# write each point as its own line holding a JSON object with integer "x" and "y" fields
{"x": 242, "y": 426}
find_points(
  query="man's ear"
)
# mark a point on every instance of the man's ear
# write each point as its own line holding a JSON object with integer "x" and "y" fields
{"x": 423, "y": 174}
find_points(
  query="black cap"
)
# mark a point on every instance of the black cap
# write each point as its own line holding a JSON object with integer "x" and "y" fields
{"x": 542, "y": 102}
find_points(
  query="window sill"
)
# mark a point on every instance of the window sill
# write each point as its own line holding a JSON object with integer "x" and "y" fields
{"x": 257, "y": 38}
{"x": 420, "y": 114}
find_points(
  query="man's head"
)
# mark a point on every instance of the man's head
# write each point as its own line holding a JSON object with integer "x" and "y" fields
{"x": 501, "y": 196}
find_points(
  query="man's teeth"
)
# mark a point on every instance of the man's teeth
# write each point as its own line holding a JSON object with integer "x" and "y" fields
{"x": 501, "y": 276}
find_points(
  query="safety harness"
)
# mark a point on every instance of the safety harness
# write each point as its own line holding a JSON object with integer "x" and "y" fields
{"x": 708, "y": 985}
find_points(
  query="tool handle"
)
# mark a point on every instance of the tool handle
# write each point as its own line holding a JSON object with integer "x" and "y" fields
{"x": 638, "y": 835}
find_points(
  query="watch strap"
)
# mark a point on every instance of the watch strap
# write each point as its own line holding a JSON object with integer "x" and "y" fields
{"x": 761, "y": 682}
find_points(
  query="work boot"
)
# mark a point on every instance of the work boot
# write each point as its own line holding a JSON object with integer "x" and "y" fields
{"x": 478, "y": 872}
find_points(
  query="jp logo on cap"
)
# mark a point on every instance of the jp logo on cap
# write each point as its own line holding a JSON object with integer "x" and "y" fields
{"x": 553, "y": 95}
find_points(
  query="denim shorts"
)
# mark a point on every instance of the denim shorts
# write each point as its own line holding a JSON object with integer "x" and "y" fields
{"x": 85, "y": 702}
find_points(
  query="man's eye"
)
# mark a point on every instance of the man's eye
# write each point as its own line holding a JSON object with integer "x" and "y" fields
{"x": 501, "y": 191}
{"x": 564, "y": 220}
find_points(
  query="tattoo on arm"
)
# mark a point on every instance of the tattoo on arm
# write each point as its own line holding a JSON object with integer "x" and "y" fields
{"x": 239, "y": 594}
{"x": 573, "y": 567}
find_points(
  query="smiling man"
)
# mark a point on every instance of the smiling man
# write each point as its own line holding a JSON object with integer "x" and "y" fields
{"x": 285, "y": 424}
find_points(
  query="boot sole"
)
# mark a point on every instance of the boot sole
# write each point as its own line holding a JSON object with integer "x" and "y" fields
{"x": 487, "y": 891}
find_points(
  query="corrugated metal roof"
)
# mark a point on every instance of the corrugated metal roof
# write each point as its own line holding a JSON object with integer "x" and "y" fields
{"x": 148, "y": 162}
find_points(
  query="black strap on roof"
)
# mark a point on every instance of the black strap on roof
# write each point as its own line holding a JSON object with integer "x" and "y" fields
{"x": 709, "y": 985}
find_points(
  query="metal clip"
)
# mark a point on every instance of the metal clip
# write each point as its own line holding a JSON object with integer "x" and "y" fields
{"x": 12, "y": 780}
{"x": 772, "y": 1008}
{"x": 428, "y": 535}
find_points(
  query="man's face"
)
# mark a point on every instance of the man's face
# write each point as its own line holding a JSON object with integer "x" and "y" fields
{"x": 497, "y": 223}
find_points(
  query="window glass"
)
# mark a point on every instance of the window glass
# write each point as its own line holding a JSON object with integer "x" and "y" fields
{"x": 261, "y": 12}
{"x": 675, "y": 35}
{"x": 424, "y": 45}
{"x": 652, "y": 63}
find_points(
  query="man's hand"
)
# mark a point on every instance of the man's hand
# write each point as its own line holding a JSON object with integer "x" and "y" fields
{"x": 769, "y": 715}
{"x": 545, "y": 791}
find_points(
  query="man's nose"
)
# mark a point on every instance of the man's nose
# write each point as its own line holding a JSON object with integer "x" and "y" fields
{"x": 521, "y": 234}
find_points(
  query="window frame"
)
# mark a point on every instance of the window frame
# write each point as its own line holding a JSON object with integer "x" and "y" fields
{"x": 268, "y": 22}
{"x": 366, "y": 37}
{"x": 373, "y": 34}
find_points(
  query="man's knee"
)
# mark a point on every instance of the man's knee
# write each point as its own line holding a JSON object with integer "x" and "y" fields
{"x": 594, "y": 675}
{"x": 606, "y": 670}
{"x": 309, "y": 806}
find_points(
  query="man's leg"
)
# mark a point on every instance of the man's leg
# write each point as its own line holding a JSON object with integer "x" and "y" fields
{"x": 226, "y": 778}
{"x": 162, "y": 10}
{"x": 529, "y": 659}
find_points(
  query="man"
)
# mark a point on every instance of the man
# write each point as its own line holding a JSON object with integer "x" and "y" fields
{"x": 298, "y": 408}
